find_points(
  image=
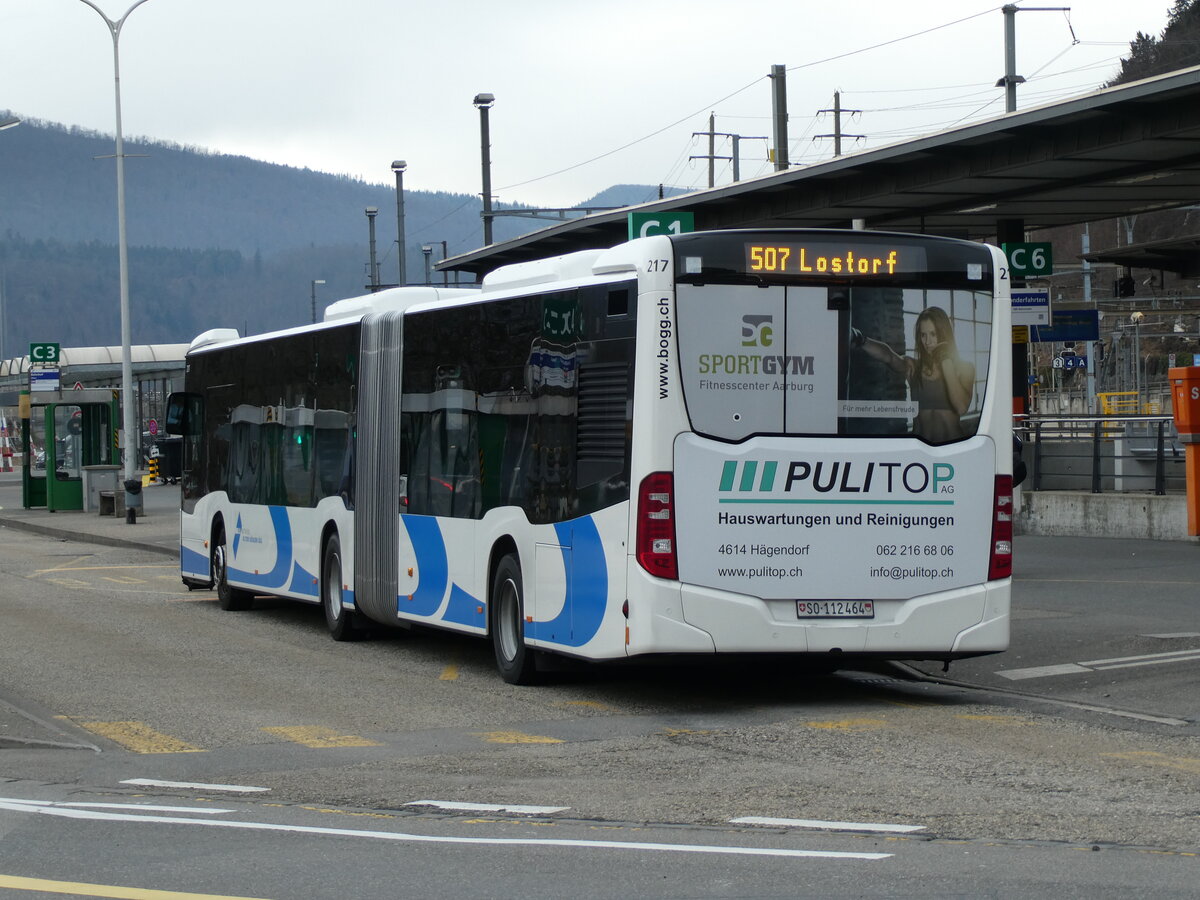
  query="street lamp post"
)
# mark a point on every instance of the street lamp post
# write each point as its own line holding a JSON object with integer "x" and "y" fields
{"x": 398, "y": 166}
{"x": 483, "y": 102}
{"x": 128, "y": 420}
{"x": 316, "y": 281}
{"x": 427, "y": 249}
{"x": 373, "y": 274}
{"x": 7, "y": 122}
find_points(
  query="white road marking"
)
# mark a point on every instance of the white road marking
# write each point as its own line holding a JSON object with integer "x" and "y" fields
{"x": 196, "y": 786}
{"x": 827, "y": 826}
{"x": 1116, "y": 662}
{"x": 206, "y": 810}
{"x": 1093, "y": 665}
{"x": 489, "y": 807}
{"x": 17, "y": 805}
{"x": 1177, "y": 634}
{"x": 1042, "y": 671}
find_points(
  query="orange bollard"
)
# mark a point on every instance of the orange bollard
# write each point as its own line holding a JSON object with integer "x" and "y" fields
{"x": 1185, "y": 407}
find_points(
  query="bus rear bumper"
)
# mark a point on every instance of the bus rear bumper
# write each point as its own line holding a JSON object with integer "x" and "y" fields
{"x": 963, "y": 621}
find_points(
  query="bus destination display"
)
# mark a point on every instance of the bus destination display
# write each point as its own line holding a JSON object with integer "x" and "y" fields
{"x": 825, "y": 258}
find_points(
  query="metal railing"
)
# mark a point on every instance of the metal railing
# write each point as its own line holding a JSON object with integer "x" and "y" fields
{"x": 1102, "y": 453}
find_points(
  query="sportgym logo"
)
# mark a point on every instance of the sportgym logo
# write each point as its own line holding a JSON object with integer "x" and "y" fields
{"x": 758, "y": 331}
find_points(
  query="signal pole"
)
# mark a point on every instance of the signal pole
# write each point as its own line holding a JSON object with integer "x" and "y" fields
{"x": 837, "y": 123}
{"x": 711, "y": 156}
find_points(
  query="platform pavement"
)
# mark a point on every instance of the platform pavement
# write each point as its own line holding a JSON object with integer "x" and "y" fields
{"x": 156, "y": 528}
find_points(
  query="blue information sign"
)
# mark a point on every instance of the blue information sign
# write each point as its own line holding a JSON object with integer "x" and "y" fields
{"x": 1068, "y": 325}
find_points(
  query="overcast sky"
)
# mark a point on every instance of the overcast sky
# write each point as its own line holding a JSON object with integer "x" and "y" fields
{"x": 588, "y": 94}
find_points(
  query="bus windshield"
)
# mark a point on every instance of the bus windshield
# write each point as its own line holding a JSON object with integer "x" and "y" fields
{"x": 813, "y": 351}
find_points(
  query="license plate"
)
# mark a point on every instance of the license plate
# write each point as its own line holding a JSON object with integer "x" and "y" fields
{"x": 835, "y": 609}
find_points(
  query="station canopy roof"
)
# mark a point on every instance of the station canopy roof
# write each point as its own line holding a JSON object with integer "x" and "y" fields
{"x": 1129, "y": 149}
{"x": 1180, "y": 255}
{"x": 148, "y": 360}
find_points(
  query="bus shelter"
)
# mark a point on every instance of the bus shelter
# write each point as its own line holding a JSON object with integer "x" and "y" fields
{"x": 69, "y": 447}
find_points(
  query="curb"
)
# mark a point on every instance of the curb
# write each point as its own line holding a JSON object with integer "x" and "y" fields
{"x": 86, "y": 538}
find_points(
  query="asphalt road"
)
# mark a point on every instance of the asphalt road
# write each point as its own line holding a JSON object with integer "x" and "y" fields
{"x": 1084, "y": 735}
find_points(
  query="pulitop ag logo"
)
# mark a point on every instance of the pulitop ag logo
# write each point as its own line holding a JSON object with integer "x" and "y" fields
{"x": 758, "y": 331}
{"x": 798, "y": 481}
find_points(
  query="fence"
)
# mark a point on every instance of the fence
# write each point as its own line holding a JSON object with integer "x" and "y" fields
{"x": 1105, "y": 453}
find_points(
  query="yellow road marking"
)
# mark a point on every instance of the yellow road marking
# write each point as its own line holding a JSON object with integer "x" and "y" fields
{"x": 68, "y": 582}
{"x": 1152, "y": 758}
{"x": 515, "y": 737}
{"x": 65, "y": 565}
{"x": 671, "y": 732}
{"x": 450, "y": 673}
{"x": 590, "y": 704}
{"x": 320, "y": 738}
{"x": 139, "y": 737}
{"x": 80, "y": 889}
{"x": 99, "y": 568}
{"x": 849, "y": 724}
{"x": 995, "y": 720}
{"x": 123, "y": 579}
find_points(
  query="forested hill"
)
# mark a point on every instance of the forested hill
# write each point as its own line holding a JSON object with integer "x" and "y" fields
{"x": 214, "y": 240}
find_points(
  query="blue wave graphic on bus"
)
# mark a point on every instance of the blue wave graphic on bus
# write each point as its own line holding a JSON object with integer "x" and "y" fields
{"x": 587, "y": 587}
{"x": 583, "y": 562}
{"x": 426, "y": 539}
{"x": 283, "y": 553}
{"x": 193, "y": 563}
{"x": 303, "y": 581}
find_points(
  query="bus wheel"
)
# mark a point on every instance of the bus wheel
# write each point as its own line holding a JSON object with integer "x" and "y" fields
{"x": 514, "y": 660}
{"x": 228, "y": 597}
{"x": 341, "y": 621}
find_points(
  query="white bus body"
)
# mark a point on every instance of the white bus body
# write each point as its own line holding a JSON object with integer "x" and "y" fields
{"x": 681, "y": 445}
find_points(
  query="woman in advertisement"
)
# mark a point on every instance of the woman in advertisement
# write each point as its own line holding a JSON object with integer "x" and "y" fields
{"x": 940, "y": 381}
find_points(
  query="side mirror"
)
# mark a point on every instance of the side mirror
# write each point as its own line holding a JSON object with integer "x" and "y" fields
{"x": 183, "y": 414}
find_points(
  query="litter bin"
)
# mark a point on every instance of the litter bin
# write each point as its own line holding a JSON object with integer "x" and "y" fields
{"x": 133, "y": 499}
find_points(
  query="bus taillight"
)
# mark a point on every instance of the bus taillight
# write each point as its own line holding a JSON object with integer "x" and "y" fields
{"x": 1000, "y": 565}
{"x": 655, "y": 542}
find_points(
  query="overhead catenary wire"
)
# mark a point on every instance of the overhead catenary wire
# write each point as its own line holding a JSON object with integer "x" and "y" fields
{"x": 713, "y": 104}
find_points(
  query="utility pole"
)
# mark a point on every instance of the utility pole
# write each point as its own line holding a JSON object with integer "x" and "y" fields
{"x": 837, "y": 124}
{"x": 713, "y": 134}
{"x": 712, "y": 148}
{"x": 1011, "y": 79}
{"x": 779, "y": 97}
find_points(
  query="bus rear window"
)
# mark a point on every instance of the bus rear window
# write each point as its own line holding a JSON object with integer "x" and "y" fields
{"x": 838, "y": 359}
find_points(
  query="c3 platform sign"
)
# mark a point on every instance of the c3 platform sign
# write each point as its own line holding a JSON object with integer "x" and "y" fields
{"x": 43, "y": 354}
{"x": 1029, "y": 260}
{"x": 650, "y": 224}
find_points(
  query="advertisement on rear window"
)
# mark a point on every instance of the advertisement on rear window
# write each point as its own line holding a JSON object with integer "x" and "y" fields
{"x": 831, "y": 522}
{"x": 826, "y": 360}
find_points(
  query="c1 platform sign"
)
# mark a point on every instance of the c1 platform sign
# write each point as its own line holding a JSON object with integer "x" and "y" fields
{"x": 1029, "y": 260}
{"x": 649, "y": 224}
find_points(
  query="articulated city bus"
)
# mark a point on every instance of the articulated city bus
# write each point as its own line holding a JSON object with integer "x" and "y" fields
{"x": 763, "y": 442}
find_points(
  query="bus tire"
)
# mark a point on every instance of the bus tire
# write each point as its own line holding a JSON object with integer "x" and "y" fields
{"x": 342, "y": 622}
{"x": 228, "y": 597}
{"x": 515, "y": 661}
